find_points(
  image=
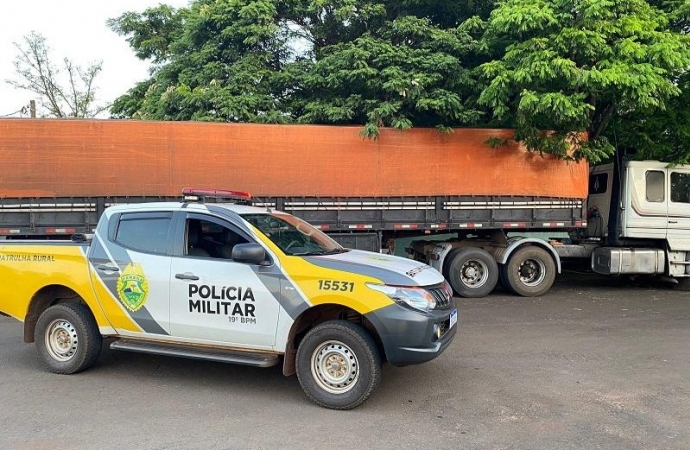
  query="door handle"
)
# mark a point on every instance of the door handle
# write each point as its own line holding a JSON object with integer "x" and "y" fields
{"x": 186, "y": 276}
{"x": 107, "y": 268}
{"x": 672, "y": 221}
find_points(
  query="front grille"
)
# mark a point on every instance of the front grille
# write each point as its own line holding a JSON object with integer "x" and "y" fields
{"x": 443, "y": 297}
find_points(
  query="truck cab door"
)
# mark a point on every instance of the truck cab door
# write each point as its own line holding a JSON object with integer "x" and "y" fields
{"x": 679, "y": 208}
{"x": 213, "y": 298}
{"x": 646, "y": 195}
{"x": 130, "y": 269}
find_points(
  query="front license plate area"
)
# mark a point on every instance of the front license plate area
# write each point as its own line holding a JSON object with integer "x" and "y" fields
{"x": 453, "y": 318}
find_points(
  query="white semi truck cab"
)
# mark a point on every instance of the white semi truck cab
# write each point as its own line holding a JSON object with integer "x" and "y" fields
{"x": 644, "y": 226}
{"x": 637, "y": 222}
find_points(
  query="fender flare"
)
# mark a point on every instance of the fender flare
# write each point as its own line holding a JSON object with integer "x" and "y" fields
{"x": 502, "y": 255}
{"x": 440, "y": 252}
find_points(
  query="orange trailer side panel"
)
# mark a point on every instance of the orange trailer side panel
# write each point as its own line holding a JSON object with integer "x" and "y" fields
{"x": 61, "y": 158}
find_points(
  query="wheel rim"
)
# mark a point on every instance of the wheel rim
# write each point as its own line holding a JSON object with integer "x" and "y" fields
{"x": 335, "y": 368}
{"x": 474, "y": 273}
{"x": 61, "y": 340}
{"x": 532, "y": 272}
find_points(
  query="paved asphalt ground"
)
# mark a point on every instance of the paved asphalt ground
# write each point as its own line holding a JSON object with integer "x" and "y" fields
{"x": 595, "y": 364}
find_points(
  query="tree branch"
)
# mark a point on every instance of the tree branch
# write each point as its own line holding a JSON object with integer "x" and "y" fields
{"x": 37, "y": 73}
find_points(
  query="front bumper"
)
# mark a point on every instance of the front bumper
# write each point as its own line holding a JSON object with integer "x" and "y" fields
{"x": 411, "y": 337}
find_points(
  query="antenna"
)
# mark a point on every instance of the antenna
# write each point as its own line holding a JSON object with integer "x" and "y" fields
{"x": 268, "y": 208}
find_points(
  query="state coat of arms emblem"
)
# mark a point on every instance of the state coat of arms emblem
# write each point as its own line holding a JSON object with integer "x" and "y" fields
{"x": 132, "y": 287}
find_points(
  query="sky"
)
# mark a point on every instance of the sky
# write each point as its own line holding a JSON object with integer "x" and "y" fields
{"x": 75, "y": 29}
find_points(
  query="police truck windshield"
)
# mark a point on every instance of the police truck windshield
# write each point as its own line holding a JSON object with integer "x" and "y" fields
{"x": 292, "y": 235}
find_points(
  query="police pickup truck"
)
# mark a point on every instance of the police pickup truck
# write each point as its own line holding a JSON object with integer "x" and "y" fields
{"x": 227, "y": 282}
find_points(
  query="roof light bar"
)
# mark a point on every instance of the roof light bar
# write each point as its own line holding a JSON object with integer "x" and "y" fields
{"x": 216, "y": 193}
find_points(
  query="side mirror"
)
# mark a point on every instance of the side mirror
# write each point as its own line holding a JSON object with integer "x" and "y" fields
{"x": 249, "y": 253}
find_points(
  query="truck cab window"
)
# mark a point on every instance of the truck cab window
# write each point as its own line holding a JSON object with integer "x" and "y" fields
{"x": 144, "y": 234}
{"x": 680, "y": 187}
{"x": 598, "y": 183}
{"x": 655, "y": 186}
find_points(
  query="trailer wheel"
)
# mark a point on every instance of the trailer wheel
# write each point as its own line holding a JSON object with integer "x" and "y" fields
{"x": 67, "y": 338}
{"x": 530, "y": 272}
{"x": 338, "y": 365}
{"x": 503, "y": 277}
{"x": 472, "y": 272}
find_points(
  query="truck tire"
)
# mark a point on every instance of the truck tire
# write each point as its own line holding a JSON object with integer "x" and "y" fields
{"x": 472, "y": 272}
{"x": 530, "y": 272}
{"x": 503, "y": 278}
{"x": 67, "y": 338}
{"x": 338, "y": 365}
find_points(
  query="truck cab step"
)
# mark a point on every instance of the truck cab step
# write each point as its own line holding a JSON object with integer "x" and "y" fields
{"x": 256, "y": 359}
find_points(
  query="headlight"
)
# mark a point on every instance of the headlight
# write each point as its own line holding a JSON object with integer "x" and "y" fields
{"x": 417, "y": 298}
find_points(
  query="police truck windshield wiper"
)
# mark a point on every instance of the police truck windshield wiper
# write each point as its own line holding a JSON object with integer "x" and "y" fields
{"x": 335, "y": 251}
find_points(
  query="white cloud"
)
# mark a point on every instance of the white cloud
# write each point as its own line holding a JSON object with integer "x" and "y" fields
{"x": 75, "y": 29}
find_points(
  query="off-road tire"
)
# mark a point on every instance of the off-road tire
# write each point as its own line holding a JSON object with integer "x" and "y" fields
{"x": 67, "y": 338}
{"x": 338, "y": 365}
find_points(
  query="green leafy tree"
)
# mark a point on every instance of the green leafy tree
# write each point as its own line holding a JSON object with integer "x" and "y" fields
{"x": 664, "y": 134}
{"x": 573, "y": 66}
{"x": 217, "y": 61}
{"x": 595, "y": 73}
{"x": 402, "y": 72}
{"x": 152, "y": 32}
{"x": 311, "y": 61}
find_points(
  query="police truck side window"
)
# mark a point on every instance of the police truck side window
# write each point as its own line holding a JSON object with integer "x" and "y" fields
{"x": 195, "y": 238}
{"x": 144, "y": 232}
{"x": 209, "y": 239}
{"x": 228, "y": 241}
